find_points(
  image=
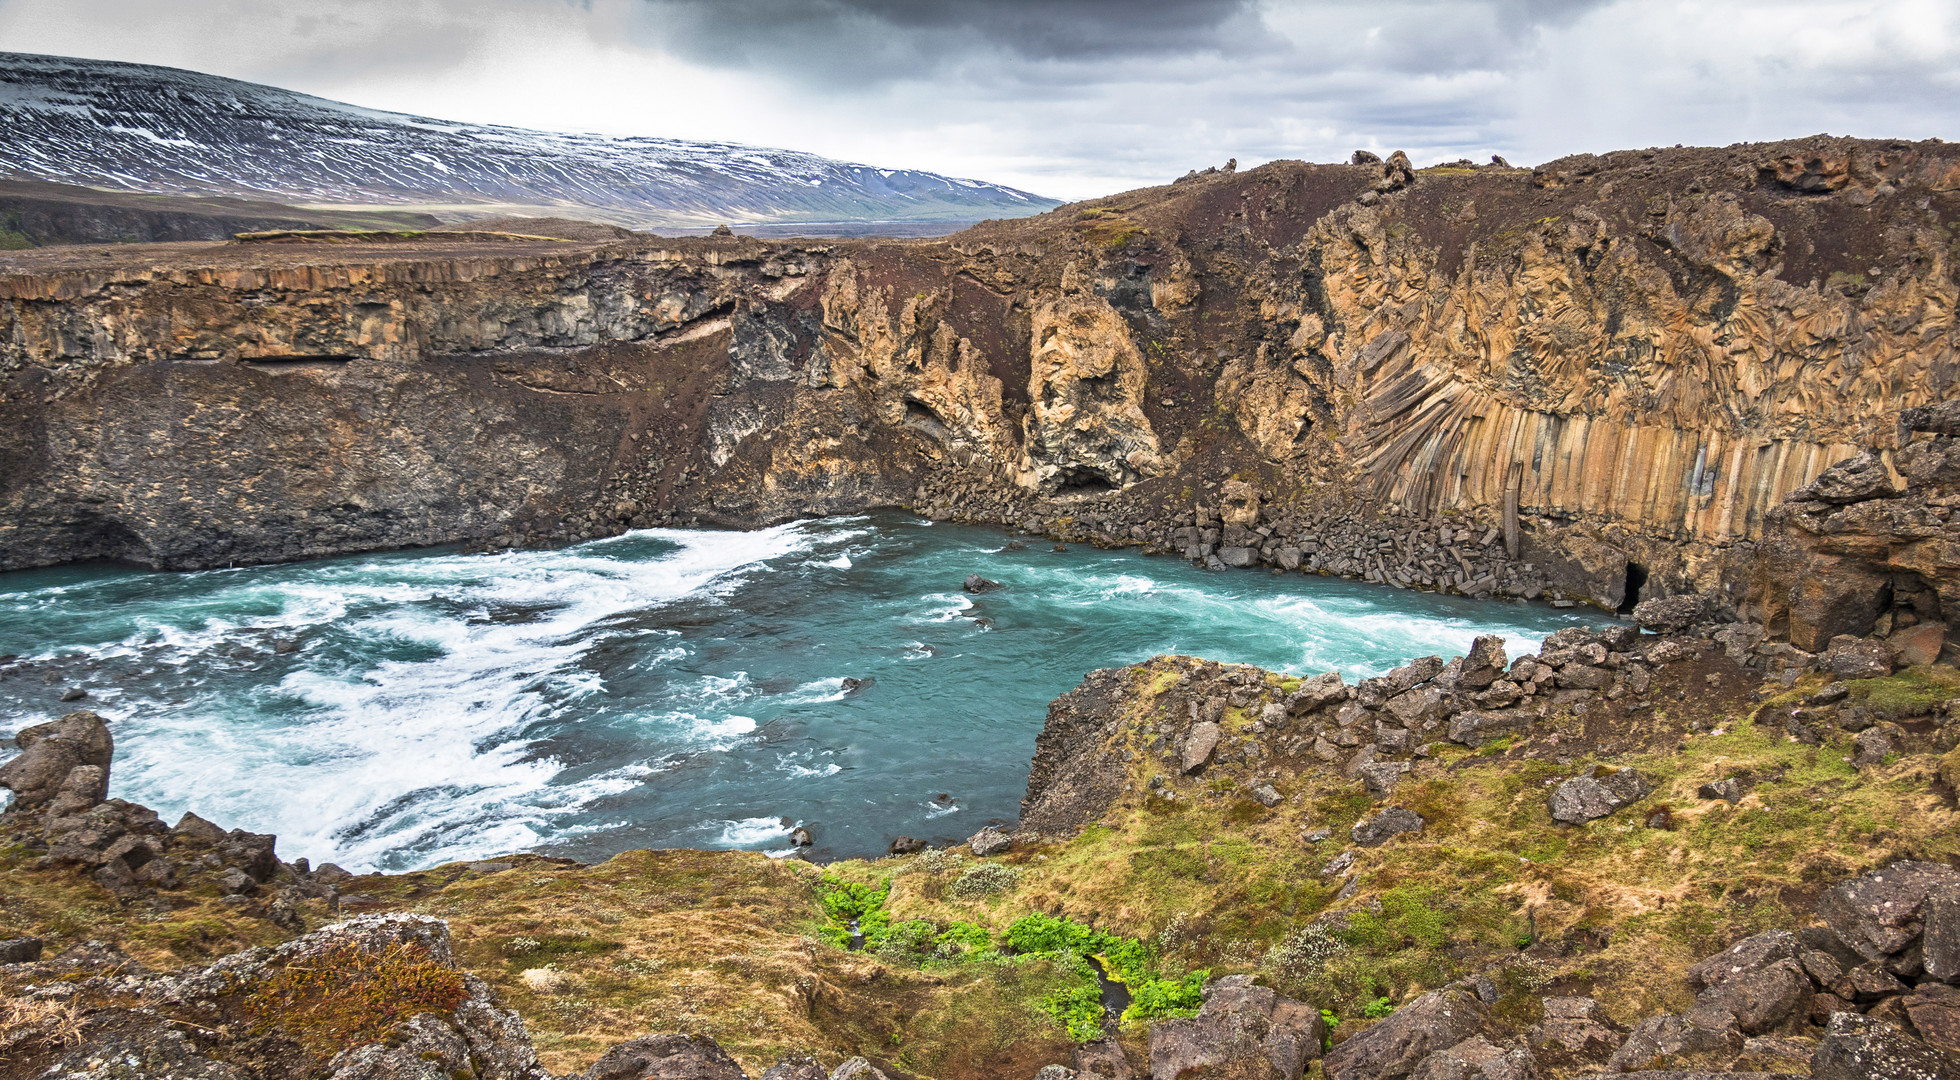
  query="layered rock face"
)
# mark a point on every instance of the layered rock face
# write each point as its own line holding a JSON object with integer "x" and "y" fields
{"x": 1599, "y": 376}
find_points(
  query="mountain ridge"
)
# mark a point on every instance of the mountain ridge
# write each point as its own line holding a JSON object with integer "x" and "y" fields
{"x": 139, "y": 127}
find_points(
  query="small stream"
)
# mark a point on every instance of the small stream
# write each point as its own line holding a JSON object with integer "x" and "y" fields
{"x": 1115, "y": 996}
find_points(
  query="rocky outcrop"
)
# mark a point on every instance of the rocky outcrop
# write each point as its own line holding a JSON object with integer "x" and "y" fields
{"x": 1595, "y": 382}
{"x": 410, "y": 1009}
{"x": 1241, "y": 1030}
{"x": 1868, "y": 547}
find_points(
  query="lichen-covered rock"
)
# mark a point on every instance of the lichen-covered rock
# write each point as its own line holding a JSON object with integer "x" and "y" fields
{"x": 1745, "y": 957}
{"x": 1241, "y": 1031}
{"x": 1857, "y": 658}
{"x": 1670, "y": 1035}
{"x": 1476, "y": 1058}
{"x": 1599, "y": 792}
{"x": 1881, "y": 913}
{"x": 857, "y": 1069}
{"x": 989, "y": 841}
{"x": 665, "y": 1057}
{"x": 378, "y": 997}
{"x": 1669, "y": 614}
{"x": 1394, "y": 1047}
{"x": 1393, "y": 821}
{"x": 795, "y": 1067}
{"x": 1858, "y": 1047}
{"x": 1103, "y": 1059}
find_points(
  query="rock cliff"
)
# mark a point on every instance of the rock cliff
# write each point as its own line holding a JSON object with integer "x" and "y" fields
{"x": 1596, "y": 380}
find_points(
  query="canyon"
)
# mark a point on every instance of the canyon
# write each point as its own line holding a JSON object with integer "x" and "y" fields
{"x": 1595, "y": 381}
{"x": 1705, "y": 389}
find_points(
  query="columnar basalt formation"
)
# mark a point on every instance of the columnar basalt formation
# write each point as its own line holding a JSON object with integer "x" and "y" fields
{"x": 1602, "y": 375}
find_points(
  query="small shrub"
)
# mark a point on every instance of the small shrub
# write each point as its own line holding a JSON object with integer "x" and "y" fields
{"x": 1378, "y": 1008}
{"x": 1295, "y": 963}
{"x": 985, "y": 880}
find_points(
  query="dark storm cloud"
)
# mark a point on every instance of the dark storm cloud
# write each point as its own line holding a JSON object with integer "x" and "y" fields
{"x": 722, "y": 31}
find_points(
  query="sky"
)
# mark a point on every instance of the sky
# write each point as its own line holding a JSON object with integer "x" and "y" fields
{"x": 1077, "y": 98}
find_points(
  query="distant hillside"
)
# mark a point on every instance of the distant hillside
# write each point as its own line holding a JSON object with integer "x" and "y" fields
{"x": 34, "y": 213}
{"x": 161, "y": 130}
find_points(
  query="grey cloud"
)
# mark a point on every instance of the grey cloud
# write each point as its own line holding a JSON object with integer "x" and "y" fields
{"x": 725, "y": 31}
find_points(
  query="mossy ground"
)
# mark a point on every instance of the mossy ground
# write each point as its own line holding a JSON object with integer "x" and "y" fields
{"x": 732, "y": 944}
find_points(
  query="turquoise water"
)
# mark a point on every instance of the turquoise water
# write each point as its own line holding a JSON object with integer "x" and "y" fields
{"x": 667, "y": 688}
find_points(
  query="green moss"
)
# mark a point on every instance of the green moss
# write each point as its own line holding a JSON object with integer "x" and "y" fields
{"x": 14, "y": 241}
{"x": 1916, "y": 691}
{"x": 348, "y": 996}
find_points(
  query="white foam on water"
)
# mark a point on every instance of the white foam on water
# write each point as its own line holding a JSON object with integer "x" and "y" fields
{"x": 939, "y": 809}
{"x": 945, "y": 607}
{"x": 816, "y": 693}
{"x": 424, "y": 754}
{"x": 787, "y": 763}
{"x": 751, "y": 832}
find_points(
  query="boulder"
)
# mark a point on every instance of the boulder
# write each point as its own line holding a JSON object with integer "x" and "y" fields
{"x": 1055, "y": 1072}
{"x": 1102, "y": 1059}
{"x": 1729, "y": 790}
{"x": 1871, "y": 747}
{"x": 976, "y": 584}
{"x": 1572, "y": 1031}
{"x": 1419, "y": 707}
{"x": 1596, "y": 793}
{"x": 1394, "y": 1047}
{"x": 1671, "y": 1035}
{"x": 1919, "y": 644}
{"x": 1393, "y": 821}
{"x": 50, "y": 751}
{"x": 1198, "y": 746}
{"x": 1849, "y": 481}
{"x": 1881, "y": 913}
{"x": 1476, "y": 1058}
{"x": 1858, "y": 1047}
{"x": 1413, "y": 674}
{"x": 857, "y": 1069}
{"x": 1850, "y": 657}
{"x": 1669, "y": 614}
{"x": 1760, "y": 999}
{"x": 1380, "y": 777}
{"x": 1321, "y": 690}
{"x": 795, "y": 1067}
{"x": 907, "y": 845}
{"x": 1476, "y": 727}
{"x": 1238, "y": 557}
{"x": 1745, "y": 957}
{"x": 1241, "y": 1030}
{"x": 1483, "y": 665}
{"x": 20, "y": 950}
{"x": 989, "y": 841}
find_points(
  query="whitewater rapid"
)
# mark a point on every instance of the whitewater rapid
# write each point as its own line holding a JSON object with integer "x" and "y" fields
{"x": 662, "y": 688}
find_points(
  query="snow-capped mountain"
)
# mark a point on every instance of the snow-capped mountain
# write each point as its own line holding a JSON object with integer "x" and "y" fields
{"x": 155, "y": 129}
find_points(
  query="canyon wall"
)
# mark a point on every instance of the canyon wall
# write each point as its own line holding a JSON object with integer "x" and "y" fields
{"x": 1605, "y": 374}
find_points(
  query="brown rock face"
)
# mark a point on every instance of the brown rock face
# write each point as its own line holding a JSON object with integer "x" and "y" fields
{"x": 1621, "y": 365}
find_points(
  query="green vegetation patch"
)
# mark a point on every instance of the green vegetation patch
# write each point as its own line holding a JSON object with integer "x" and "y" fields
{"x": 1916, "y": 691}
